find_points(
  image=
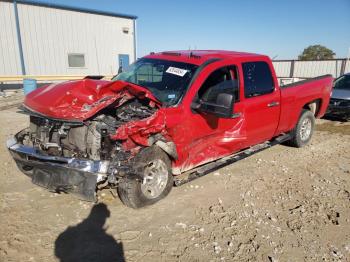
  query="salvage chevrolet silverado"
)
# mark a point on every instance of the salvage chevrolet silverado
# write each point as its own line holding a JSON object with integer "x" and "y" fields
{"x": 168, "y": 118}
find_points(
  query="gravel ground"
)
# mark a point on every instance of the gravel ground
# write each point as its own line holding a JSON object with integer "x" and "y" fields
{"x": 283, "y": 204}
{"x": 10, "y": 98}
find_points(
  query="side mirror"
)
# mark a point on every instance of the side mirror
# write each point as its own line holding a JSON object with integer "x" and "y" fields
{"x": 223, "y": 107}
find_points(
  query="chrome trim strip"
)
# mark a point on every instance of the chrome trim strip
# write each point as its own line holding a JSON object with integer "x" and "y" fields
{"x": 25, "y": 153}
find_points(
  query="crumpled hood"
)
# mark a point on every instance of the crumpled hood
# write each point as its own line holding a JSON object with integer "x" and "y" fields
{"x": 79, "y": 100}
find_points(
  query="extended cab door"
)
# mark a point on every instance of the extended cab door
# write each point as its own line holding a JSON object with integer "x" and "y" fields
{"x": 261, "y": 102}
{"x": 208, "y": 136}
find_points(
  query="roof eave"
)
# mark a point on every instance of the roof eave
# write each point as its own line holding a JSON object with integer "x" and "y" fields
{"x": 71, "y": 8}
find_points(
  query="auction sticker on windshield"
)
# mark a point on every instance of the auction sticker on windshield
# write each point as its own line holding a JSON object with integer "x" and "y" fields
{"x": 176, "y": 71}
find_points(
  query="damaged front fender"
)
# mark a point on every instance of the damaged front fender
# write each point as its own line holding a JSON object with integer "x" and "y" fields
{"x": 147, "y": 132}
{"x": 138, "y": 132}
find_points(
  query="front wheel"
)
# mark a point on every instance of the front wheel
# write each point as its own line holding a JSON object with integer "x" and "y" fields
{"x": 302, "y": 133}
{"x": 156, "y": 180}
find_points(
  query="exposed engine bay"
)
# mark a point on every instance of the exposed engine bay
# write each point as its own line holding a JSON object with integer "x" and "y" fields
{"x": 90, "y": 139}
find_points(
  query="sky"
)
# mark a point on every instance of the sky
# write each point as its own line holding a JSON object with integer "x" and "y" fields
{"x": 278, "y": 28}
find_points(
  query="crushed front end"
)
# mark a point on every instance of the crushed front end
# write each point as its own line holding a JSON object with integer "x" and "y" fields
{"x": 56, "y": 173}
{"x": 60, "y": 156}
{"x": 79, "y": 156}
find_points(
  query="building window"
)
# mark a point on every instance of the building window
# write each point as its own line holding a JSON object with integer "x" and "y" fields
{"x": 76, "y": 60}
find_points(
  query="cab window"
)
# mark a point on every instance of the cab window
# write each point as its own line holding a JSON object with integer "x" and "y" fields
{"x": 257, "y": 79}
{"x": 225, "y": 80}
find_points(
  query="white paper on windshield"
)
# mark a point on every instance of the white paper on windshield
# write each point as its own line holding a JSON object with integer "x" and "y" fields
{"x": 176, "y": 71}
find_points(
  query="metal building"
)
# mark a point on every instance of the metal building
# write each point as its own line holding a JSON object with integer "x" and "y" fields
{"x": 49, "y": 39}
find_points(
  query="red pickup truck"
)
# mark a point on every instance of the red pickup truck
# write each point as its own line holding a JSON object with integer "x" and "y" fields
{"x": 168, "y": 118}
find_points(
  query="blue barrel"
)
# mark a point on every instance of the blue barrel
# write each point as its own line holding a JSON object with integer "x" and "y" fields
{"x": 29, "y": 85}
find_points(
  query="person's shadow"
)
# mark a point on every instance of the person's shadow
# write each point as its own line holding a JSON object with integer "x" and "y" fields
{"x": 88, "y": 241}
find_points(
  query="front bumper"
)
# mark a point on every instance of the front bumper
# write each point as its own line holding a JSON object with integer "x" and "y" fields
{"x": 59, "y": 174}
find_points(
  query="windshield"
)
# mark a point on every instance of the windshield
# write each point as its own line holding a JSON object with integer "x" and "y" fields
{"x": 167, "y": 80}
{"x": 342, "y": 82}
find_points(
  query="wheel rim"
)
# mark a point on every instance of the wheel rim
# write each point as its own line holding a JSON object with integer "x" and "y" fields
{"x": 305, "y": 129}
{"x": 155, "y": 179}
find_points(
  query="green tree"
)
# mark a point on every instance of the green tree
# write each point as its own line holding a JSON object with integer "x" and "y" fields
{"x": 316, "y": 52}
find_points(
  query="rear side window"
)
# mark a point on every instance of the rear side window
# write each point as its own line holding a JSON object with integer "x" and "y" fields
{"x": 257, "y": 79}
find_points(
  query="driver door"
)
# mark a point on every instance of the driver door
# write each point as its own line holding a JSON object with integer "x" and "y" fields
{"x": 211, "y": 136}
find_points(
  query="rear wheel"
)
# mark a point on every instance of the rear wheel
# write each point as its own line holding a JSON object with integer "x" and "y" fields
{"x": 156, "y": 180}
{"x": 302, "y": 133}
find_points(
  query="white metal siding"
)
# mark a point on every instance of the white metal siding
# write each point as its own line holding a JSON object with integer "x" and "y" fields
{"x": 308, "y": 69}
{"x": 347, "y": 67}
{"x": 9, "y": 56}
{"x": 49, "y": 34}
{"x": 282, "y": 68}
{"x": 314, "y": 68}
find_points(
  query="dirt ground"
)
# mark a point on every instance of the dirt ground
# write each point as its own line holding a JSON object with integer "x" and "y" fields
{"x": 283, "y": 204}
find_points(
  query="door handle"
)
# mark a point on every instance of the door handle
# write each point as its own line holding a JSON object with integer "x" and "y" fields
{"x": 272, "y": 104}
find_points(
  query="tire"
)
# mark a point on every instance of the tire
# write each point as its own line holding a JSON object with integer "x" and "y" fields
{"x": 302, "y": 133}
{"x": 150, "y": 162}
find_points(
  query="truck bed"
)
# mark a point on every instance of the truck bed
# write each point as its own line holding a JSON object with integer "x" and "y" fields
{"x": 304, "y": 81}
{"x": 295, "y": 96}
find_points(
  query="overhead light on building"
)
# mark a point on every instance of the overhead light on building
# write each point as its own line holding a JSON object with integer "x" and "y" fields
{"x": 126, "y": 30}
